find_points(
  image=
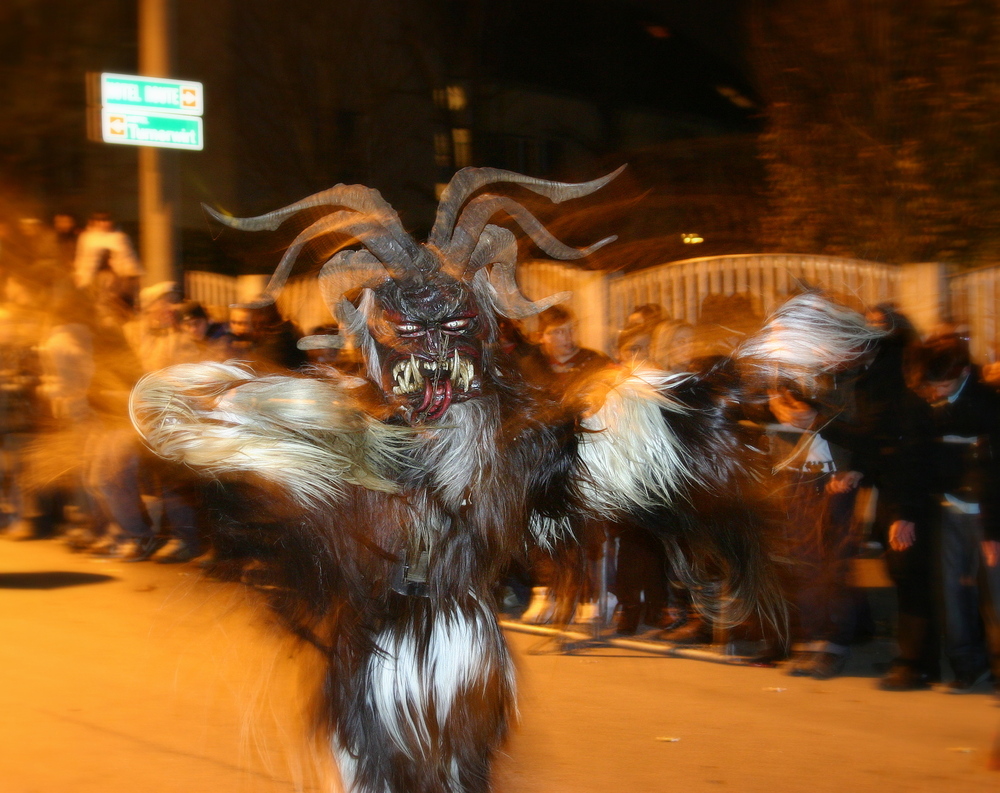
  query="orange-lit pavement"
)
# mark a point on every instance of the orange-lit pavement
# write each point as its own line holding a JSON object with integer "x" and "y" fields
{"x": 146, "y": 679}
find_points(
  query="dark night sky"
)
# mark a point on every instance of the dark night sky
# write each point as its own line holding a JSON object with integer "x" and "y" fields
{"x": 717, "y": 25}
{"x": 650, "y": 56}
{"x": 658, "y": 55}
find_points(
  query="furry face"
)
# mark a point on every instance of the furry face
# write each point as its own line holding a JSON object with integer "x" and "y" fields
{"x": 429, "y": 336}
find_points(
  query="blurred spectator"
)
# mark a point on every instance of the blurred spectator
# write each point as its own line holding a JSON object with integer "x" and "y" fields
{"x": 966, "y": 478}
{"x": 68, "y": 367}
{"x": 671, "y": 345}
{"x": 28, "y": 254}
{"x": 879, "y": 421}
{"x": 27, "y": 292}
{"x": 112, "y": 309}
{"x": 877, "y": 389}
{"x": 202, "y": 340}
{"x": 85, "y": 355}
{"x": 19, "y": 415}
{"x": 260, "y": 336}
{"x": 66, "y": 235}
{"x": 633, "y": 346}
{"x": 908, "y": 508}
{"x": 633, "y": 338}
{"x": 68, "y": 363}
{"x": 814, "y": 488}
{"x": 174, "y": 333}
{"x": 159, "y": 339}
{"x": 103, "y": 247}
{"x": 671, "y": 348}
{"x": 125, "y": 480}
{"x": 154, "y": 335}
{"x": 39, "y": 248}
{"x": 640, "y": 571}
{"x": 640, "y": 581}
{"x": 564, "y": 368}
{"x": 559, "y": 364}
{"x": 644, "y": 316}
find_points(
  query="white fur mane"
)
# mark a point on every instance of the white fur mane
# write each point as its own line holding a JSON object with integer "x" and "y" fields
{"x": 460, "y": 448}
{"x": 308, "y": 436}
{"x": 632, "y": 457}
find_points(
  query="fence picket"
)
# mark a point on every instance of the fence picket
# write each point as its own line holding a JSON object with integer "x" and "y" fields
{"x": 680, "y": 287}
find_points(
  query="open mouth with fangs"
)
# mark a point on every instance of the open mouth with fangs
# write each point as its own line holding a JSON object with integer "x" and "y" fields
{"x": 436, "y": 384}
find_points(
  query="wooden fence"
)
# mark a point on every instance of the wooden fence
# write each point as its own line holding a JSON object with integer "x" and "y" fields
{"x": 299, "y": 301}
{"x": 974, "y": 302}
{"x": 680, "y": 287}
{"x": 602, "y": 301}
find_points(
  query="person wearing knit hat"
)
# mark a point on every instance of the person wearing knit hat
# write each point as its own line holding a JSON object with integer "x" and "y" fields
{"x": 164, "y": 289}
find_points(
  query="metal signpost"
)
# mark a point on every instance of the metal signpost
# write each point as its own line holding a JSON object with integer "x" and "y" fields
{"x": 152, "y": 113}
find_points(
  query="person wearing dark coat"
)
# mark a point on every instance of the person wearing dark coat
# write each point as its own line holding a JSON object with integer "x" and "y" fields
{"x": 961, "y": 468}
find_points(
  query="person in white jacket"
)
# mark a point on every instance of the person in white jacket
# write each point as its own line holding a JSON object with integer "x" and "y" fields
{"x": 102, "y": 244}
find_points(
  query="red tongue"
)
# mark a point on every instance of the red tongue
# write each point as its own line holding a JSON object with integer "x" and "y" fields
{"x": 428, "y": 395}
{"x": 441, "y": 406}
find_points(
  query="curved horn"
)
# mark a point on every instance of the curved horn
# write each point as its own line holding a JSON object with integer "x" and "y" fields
{"x": 464, "y": 183}
{"x": 369, "y": 233}
{"x": 482, "y": 208}
{"x": 499, "y": 248}
{"x": 358, "y": 198}
{"x": 355, "y": 196}
{"x": 511, "y": 303}
{"x": 347, "y": 270}
{"x": 496, "y": 244}
{"x": 323, "y": 341}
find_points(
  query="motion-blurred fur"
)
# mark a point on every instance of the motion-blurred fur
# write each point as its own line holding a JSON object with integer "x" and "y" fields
{"x": 391, "y": 506}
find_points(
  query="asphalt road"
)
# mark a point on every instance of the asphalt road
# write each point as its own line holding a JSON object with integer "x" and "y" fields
{"x": 148, "y": 678}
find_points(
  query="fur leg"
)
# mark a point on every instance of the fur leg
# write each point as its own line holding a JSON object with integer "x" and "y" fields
{"x": 430, "y": 705}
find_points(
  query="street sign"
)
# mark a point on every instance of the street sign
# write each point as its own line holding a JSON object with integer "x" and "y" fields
{"x": 146, "y": 111}
{"x": 155, "y": 94}
{"x": 163, "y": 130}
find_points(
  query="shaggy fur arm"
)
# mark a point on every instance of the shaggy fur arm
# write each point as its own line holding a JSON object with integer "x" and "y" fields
{"x": 807, "y": 336}
{"x": 633, "y": 458}
{"x": 307, "y": 436}
{"x": 656, "y": 434}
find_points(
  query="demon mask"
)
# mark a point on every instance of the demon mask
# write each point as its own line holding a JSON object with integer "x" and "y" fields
{"x": 426, "y": 314}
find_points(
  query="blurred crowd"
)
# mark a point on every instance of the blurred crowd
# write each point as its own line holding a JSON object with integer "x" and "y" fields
{"x": 76, "y": 333}
{"x": 893, "y": 459}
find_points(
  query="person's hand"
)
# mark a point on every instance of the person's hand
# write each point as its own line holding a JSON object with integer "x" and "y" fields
{"x": 991, "y": 552}
{"x": 843, "y": 482}
{"x": 902, "y": 533}
{"x": 594, "y": 392}
{"x": 991, "y": 373}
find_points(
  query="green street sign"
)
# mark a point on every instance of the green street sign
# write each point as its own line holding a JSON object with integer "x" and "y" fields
{"x": 132, "y": 92}
{"x": 163, "y": 130}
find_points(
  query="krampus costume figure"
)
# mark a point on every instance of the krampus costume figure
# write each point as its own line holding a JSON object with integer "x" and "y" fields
{"x": 397, "y": 501}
